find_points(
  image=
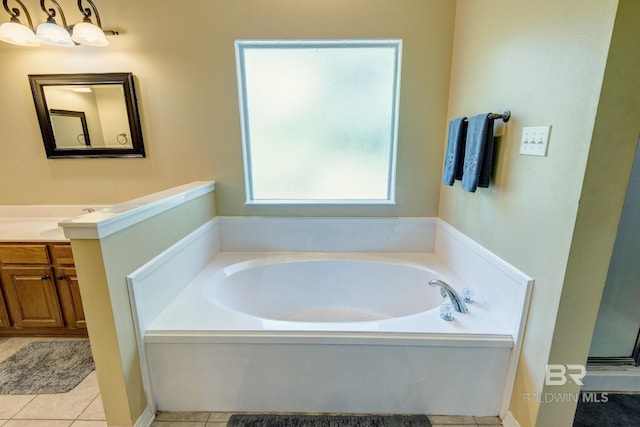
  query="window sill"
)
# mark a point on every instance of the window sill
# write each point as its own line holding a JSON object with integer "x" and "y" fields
{"x": 320, "y": 202}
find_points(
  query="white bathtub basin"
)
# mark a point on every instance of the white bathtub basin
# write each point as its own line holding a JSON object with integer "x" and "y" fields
{"x": 327, "y": 290}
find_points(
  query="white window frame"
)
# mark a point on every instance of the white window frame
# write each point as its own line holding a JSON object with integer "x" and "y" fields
{"x": 242, "y": 45}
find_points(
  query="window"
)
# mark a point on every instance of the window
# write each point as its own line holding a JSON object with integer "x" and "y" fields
{"x": 319, "y": 120}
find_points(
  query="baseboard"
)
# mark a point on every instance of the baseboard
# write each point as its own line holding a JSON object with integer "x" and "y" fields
{"x": 509, "y": 420}
{"x": 146, "y": 418}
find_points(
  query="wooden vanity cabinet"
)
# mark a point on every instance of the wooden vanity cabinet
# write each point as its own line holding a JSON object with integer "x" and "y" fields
{"x": 4, "y": 317}
{"x": 31, "y": 297}
{"x": 40, "y": 290}
{"x": 70, "y": 301}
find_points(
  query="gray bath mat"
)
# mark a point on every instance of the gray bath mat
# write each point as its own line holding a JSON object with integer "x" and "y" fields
{"x": 270, "y": 420}
{"x": 46, "y": 367}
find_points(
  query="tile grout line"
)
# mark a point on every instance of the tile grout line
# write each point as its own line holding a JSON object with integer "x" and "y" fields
{"x": 33, "y": 397}
{"x": 23, "y": 406}
{"x": 87, "y": 407}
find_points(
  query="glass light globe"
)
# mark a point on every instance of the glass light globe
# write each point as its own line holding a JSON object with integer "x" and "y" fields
{"x": 53, "y": 34}
{"x": 16, "y": 33}
{"x": 87, "y": 34}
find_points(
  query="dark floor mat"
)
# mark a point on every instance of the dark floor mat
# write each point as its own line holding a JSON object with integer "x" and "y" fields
{"x": 608, "y": 410}
{"x": 46, "y": 367}
{"x": 270, "y": 420}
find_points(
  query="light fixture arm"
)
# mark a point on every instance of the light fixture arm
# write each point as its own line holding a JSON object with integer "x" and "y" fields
{"x": 86, "y": 12}
{"x": 51, "y": 13}
{"x": 15, "y": 12}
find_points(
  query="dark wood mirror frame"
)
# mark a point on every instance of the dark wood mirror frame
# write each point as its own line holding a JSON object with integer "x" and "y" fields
{"x": 39, "y": 82}
{"x": 83, "y": 122}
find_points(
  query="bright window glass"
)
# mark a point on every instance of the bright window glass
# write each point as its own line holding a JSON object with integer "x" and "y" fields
{"x": 319, "y": 120}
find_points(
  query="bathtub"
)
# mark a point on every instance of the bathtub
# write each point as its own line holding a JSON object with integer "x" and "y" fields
{"x": 319, "y": 288}
{"x": 311, "y": 331}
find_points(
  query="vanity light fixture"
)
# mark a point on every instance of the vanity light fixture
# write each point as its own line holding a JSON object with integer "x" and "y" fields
{"x": 14, "y": 31}
{"x": 86, "y": 32}
{"x": 50, "y": 32}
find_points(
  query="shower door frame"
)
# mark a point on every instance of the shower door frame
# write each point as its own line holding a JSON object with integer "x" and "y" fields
{"x": 633, "y": 360}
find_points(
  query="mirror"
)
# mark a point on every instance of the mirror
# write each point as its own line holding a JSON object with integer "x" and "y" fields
{"x": 88, "y": 115}
{"x": 70, "y": 128}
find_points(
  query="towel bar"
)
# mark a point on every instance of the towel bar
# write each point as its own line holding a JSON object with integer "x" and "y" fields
{"x": 504, "y": 116}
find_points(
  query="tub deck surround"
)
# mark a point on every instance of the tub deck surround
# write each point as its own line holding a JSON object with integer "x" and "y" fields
{"x": 198, "y": 309}
{"x": 261, "y": 234}
{"x": 507, "y": 290}
{"x": 328, "y": 378}
{"x": 242, "y": 362}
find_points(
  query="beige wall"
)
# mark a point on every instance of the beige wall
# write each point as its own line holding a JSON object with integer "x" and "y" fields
{"x": 184, "y": 62}
{"x": 102, "y": 269}
{"x": 614, "y": 143}
{"x": 543, "y": 60}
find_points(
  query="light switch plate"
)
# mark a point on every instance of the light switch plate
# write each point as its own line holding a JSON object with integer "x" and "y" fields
{"x": 535, "y": 140}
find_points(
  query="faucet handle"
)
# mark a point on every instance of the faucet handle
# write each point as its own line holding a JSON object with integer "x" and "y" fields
{"x": 467, "y": 295}
{"x": 446, "y": 311}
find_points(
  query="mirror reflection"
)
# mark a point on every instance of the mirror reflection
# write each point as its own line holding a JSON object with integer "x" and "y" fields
{"x": 88, "y": 115}
{"x": 104, "y": 111}
{"x": 70, "y": 128}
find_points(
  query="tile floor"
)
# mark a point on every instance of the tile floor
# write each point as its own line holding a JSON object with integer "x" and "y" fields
{"x": 81, "y": 407}
{"x": 219, "y": 419}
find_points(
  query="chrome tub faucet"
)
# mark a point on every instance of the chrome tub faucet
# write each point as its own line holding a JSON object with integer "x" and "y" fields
{"x": 456, "y": 300}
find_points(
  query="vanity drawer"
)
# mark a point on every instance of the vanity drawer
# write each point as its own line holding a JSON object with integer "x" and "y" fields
{"x": 61, "y": 254}
{"x": 24, "y": 254}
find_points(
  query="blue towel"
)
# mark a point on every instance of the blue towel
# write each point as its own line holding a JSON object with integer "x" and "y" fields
{"x": 455, "y": 150}
{"x": 478, "y": 157}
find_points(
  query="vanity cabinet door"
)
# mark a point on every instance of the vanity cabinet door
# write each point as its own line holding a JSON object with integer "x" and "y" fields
{"x": 31, "y": 297}
{"x": 70, "y": 300}
{"x": 4, "y": 317}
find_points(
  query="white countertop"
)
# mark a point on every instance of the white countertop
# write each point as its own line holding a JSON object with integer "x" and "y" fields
{"x": 31, "y": 230}
{"x": 52, "y": 223}
{"x": 37, "y": 223}
{"x": 109, "y": 220}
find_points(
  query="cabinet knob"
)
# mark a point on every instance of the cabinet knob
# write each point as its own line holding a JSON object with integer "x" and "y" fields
{"x": 61, "y": 277}
{"x": 45, "y": 277}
